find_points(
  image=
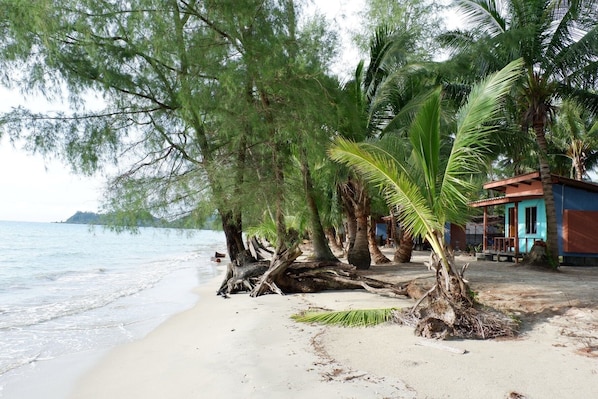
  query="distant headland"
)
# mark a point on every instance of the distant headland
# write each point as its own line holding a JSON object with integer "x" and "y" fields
{"x": 144, "y": 219}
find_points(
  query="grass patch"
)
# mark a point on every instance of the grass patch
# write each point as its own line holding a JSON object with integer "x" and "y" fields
{"x": 347, "y": 318}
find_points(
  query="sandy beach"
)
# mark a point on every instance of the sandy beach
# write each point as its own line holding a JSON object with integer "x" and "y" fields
{"x": 245, "y": 347}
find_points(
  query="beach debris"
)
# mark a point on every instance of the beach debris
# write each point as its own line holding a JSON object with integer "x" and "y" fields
{"x": 283, "y": 274}
{"x": 438, "y": 345}
{"x": 515, "y": 395}
{"x": 346, "y": 318}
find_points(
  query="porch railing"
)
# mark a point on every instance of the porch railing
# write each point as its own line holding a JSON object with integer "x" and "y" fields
{"x": 507, "y": 244}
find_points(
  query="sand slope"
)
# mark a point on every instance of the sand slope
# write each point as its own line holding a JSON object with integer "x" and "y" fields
{"x": 250, "y": 348}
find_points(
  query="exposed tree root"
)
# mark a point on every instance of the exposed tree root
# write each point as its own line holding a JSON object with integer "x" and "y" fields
{"x": 284, "y": 275}
{"x": 445, "y": 310}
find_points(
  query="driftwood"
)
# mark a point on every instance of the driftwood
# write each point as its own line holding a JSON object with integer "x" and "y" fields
{"x": 238, "y": 279}
{"x": 278, "y": 266}
{"x": 445, "y": 310}
{"x": 283, "y": 275}
{"x": 258, "y": 250}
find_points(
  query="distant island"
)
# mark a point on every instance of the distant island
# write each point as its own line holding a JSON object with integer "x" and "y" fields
{"x": 85, "y": 218}
{"x": 144, "y": 219}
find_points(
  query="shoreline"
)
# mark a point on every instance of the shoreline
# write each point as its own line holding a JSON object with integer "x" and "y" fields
{"x": 54, "y": 376}
{"x": 249, "y": 347}
{"x": 236, "y": 347}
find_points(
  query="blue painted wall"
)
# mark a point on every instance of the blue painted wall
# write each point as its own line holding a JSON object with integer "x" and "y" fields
{"x": 565, "y": 197}
{"x": 381, "y": 231}
{"x": 526, "y": 241}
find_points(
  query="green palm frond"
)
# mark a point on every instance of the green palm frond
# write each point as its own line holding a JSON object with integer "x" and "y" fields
{"x": 265, "y": 230}
{"x": 412, "y": 176}
{"x": 399, "y": 180}
{"x": 475, "y": 121}
{"x": 424, "y": 135}
{"x": 483, "y": 13}
{"x": 347, "y": 318}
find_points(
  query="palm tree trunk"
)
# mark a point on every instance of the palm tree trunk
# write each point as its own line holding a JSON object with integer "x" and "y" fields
{"x": 552, "y": 250}
{"x": 355, "y": 202}
{"x": 404, "y": 247}
{"x": 332, "y": 240}
{"x": 377, "y": 256}
{"x": 359, "y": 255}
{"x": 351, "y": 228}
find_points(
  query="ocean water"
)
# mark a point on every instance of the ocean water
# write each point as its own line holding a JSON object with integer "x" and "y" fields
{"x": 68, "y": 289}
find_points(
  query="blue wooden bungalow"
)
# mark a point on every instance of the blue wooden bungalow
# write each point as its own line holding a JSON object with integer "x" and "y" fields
{"x": 576, "y": 204}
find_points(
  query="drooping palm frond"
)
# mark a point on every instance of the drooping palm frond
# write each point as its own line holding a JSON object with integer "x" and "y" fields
{"x": 347, "y": 318}
{"x": 399, "y": 180}
{"x": 485, "y": 12}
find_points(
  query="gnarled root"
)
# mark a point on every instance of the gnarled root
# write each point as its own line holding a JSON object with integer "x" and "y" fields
{"x": 448, "y": 310}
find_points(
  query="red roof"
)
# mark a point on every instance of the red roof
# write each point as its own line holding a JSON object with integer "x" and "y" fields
{"x": 521, "y": 183}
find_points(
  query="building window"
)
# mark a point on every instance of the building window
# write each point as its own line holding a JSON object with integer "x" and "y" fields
{"x": 531, "y": 221}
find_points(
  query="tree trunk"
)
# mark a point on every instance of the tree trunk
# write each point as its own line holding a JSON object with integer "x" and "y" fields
{"x": 356, "y": 203}
{"x": 233, "y": 232}
{"x": 332, "y": 239}
{"x": 404, "y": 245}
{"x": 320, "y": 246}
{"x": 351, "y": 228}
{"x": 537, "y": 255}
{"x": 552, "y": 249}
{"x": 377, "y": 255}
{"x": 359, "y": 255}
{"x": 278, "y": 266}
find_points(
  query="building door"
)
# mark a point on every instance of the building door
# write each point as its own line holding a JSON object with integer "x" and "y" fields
{"x": 512, "y": 222}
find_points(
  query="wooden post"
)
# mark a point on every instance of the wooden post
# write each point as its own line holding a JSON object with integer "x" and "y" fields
{"x": 484, "y": 235}
{"x": 516, "y": 232}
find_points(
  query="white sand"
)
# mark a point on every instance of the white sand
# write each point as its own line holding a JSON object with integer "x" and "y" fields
{"x": 246, "y": 347}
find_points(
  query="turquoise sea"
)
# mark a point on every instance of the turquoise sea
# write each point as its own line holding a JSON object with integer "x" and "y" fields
{"x": 68, "y": 289}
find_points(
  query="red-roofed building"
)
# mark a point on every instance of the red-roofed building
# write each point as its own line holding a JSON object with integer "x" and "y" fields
{"x": 525, "y": 217}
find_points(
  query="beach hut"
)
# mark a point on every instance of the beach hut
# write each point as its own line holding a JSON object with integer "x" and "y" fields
{"x": 521, "y": 197}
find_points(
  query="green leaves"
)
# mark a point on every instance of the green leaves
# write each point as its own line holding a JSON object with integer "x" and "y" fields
{"x": 476, "y": 120}
{"x": 429, "y": 190}
{"x": 347, "y": 318}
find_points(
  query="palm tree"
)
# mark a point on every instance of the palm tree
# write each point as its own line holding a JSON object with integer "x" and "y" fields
{"x": 431, "y": 190}
{"x": 576, "y": 135}
{"x": 558, "y": 42}
{"x": 360, "y": 111}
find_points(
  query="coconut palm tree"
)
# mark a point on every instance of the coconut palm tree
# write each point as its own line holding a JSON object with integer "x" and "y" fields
{"x": 576, "y": 134}
{"x": 432, "y": 190}
{"x": 558, "y": 41}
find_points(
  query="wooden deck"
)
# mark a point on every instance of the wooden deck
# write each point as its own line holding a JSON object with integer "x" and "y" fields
{"x": 499, "y": 256}
{"x": 503, "y": 249}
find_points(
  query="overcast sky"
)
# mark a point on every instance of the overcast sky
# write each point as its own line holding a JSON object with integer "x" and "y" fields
{"x": 32, "y": 189}
{"x": 36, "y": 190}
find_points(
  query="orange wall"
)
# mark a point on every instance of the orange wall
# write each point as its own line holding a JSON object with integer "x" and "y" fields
{"x": 580, "y": 231}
